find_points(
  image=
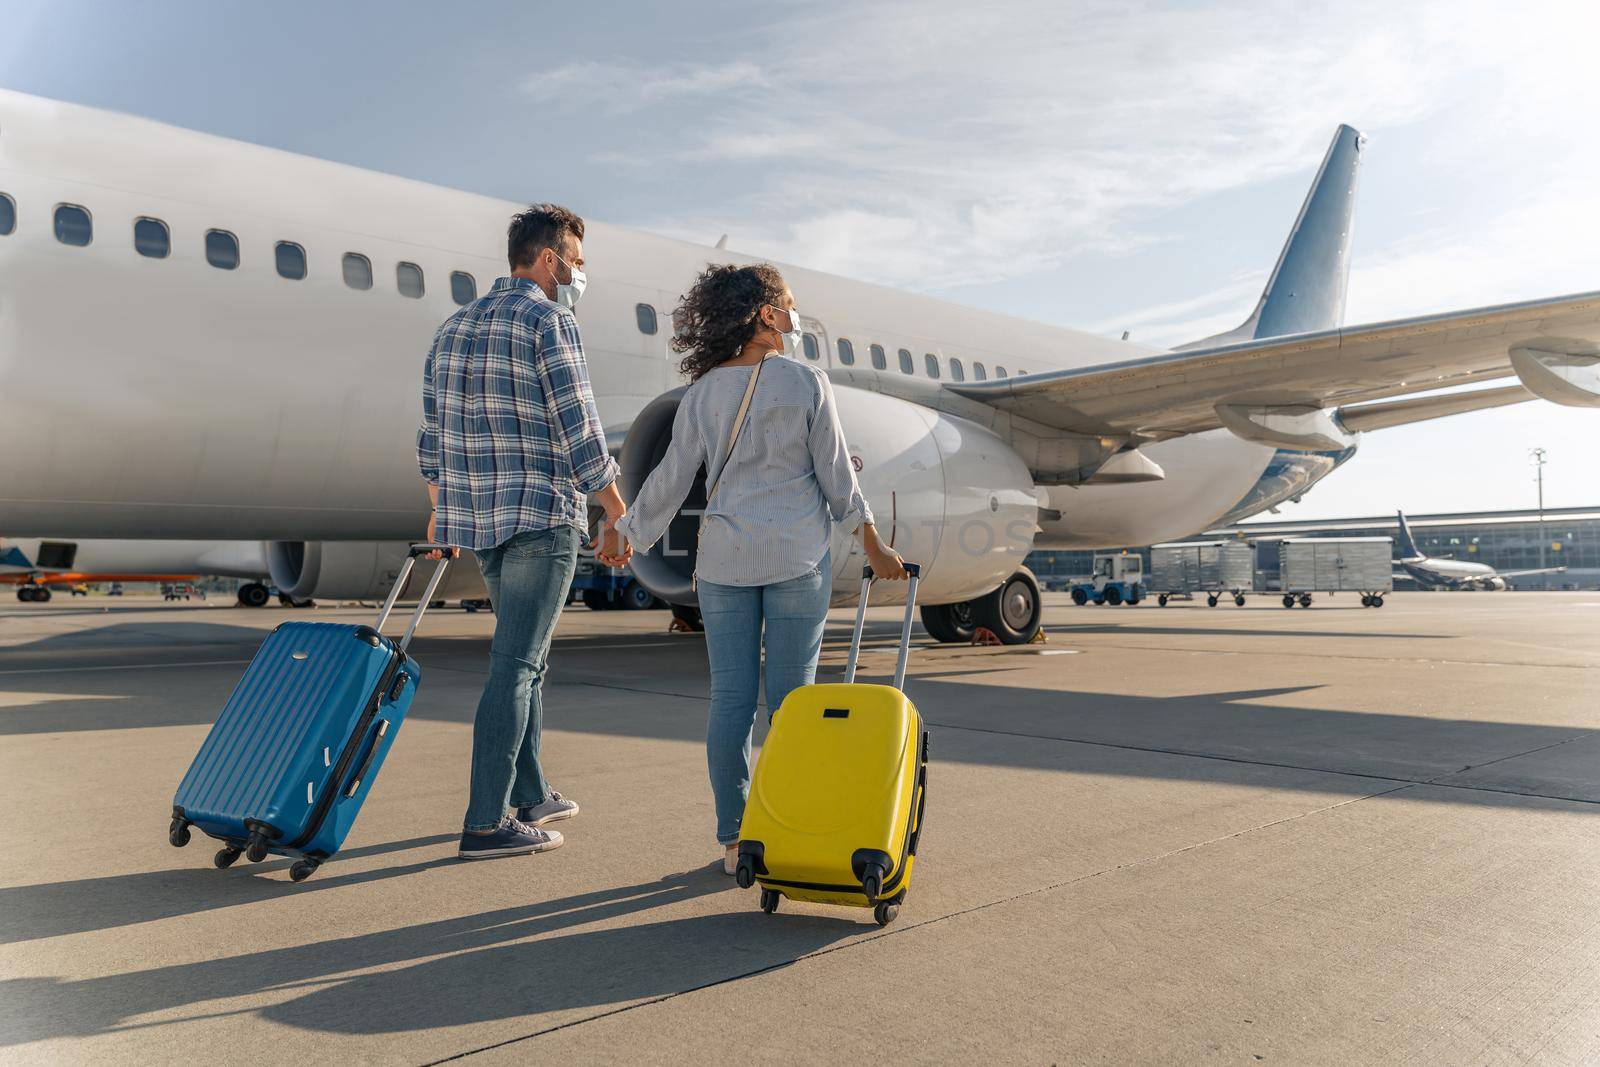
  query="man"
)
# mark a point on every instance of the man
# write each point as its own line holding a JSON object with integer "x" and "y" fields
{"x": 510, "y": 446}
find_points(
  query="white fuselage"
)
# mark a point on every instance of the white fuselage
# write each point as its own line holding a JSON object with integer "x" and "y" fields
{"x": 166, "y": 397}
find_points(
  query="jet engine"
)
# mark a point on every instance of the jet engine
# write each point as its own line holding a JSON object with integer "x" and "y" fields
{"x": 358, "y": 570}
{"x": 945, "y": 492}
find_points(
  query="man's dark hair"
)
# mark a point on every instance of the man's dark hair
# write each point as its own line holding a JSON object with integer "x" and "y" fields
{"x": 540, "y": 227}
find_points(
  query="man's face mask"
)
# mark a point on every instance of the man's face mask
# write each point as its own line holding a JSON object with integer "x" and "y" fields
{"x": 567, "y": 293}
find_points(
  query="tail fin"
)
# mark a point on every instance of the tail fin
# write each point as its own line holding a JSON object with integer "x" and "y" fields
{"x": 1307, "y": 289}
{"x": 1408, "y": 547}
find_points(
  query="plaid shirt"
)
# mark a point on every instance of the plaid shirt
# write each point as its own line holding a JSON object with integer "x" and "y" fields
{"x": 509, "y": 430}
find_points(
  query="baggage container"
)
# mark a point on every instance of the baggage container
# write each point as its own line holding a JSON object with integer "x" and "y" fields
{"x": 289, "y": 762}
{"x": 836, "y": 799}
{"x": 1334, "y": 565}
{"x": 1215, "y": 568}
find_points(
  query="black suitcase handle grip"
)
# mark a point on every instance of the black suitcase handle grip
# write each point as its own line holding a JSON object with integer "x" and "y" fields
{"x": 913, "y": 569}
{"x": 366, "y": 764}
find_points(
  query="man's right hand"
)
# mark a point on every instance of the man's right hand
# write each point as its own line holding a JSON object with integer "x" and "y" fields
{"x": 436, "y": 554}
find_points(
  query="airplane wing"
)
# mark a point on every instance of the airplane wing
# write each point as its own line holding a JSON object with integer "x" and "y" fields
{"x": 1536, "y": 570}
{"x": 1552, "y": 346}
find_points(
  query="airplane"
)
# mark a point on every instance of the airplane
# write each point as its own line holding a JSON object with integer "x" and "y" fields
{"x": 35, "y": 565}
{"x": 245, "y": 328}
{"x": 1441, "y": 572}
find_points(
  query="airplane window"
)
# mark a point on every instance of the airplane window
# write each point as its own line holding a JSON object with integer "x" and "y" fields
{"x": 291, "y": 260}
{"x": 956, "y": 371}
{"x": 463, "y": 287}
{"x": 357, "y": 271}
{"x": 645, "y": 316}
{"x": 222, "y": 249}
{"x": 152, "y": 238}
{"x": 999, "y": 372}
{"x": 808, "y": 341}
{"x": 879, "y": 360}
{"x": 8, "y": 214}
{"x": 978, "y": 372}
{"x": 932, "y": 362}
{"x": 408, "y": 276}
{"x": 847, "y": 353}
{"x": 906, "y": 366}
{"x": 73, "y": 225}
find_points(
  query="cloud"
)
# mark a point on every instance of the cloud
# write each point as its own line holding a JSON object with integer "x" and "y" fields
{"x": 621, "y": 88}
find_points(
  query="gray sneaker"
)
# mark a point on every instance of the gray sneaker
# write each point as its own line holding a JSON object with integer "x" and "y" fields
{"x": 555, "y": 809}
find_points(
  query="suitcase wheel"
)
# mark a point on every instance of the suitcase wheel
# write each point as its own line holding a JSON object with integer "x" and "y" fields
{"x": 225, "y": 857}
{"x": 302, "y": 870}
{"x": 885, "y": 912}
{"x": 178, "y": 833}
{"x": 745, "y": 873}
{"x": 769, "y": 900}
{"x": 256, "y": 851}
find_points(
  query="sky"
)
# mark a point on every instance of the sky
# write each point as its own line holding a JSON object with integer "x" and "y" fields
{"x": 1106, "y": 166}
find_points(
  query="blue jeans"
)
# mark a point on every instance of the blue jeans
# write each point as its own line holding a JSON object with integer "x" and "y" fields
{"x": 528, "y": 578}
{"x": 794, "y": 613}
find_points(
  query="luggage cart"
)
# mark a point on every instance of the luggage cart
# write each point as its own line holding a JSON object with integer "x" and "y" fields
{"x": 1335, "y": 565}
{"x": 1180, "y": 569}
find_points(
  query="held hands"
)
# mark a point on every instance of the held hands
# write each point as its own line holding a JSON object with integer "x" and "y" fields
{"x": 611, "y": 548}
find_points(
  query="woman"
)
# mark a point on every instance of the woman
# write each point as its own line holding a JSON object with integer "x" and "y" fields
{"x": 773, "y": 498}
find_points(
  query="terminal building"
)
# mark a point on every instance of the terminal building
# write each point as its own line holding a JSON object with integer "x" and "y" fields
{"x": 1505, "y": 540}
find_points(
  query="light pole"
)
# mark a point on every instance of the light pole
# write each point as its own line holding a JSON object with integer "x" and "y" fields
{"x": 1536, "y": 457}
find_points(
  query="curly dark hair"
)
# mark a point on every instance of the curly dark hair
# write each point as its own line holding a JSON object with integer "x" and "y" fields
{"x": 720, "y": 313}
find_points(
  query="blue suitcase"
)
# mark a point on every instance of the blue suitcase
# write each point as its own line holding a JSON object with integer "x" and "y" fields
{"x": 290, "y": 760}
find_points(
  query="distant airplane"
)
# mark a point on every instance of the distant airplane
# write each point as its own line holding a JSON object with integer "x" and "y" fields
{"x": 1433, "y": 572}
{"x": 34, "y": 566}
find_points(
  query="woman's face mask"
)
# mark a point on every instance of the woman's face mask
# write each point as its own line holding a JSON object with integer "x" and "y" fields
{"x": 791, "y": 336}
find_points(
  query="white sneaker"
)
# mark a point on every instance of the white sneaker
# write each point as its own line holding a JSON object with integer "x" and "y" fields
{"x": 730, "y": 860}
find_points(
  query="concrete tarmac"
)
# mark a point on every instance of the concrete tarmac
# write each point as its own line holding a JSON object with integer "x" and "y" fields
{"x": 1233, "y": 835}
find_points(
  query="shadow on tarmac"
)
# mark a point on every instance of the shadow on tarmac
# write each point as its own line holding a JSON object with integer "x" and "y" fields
{"x": 462, "y": 970}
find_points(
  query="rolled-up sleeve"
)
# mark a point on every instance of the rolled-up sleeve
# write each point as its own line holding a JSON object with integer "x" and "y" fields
{"x": 651, "y": 512}
{"x": 428, "y": 432}
{"x": 569, "y": 399}
{"x": 830, "y": 457}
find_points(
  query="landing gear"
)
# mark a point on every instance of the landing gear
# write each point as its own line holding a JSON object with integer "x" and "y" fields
{"x": 1162, "y": 600}
{"x": 1372, "y": 600}
{"x": 254, "y": 595}
{"x": 689, "y": 616}
{"x": 1211, "y": 601}
{"x": 33, "y": 594}
{"x": 1013, "y": 611}
{"x": 951, "y": 623}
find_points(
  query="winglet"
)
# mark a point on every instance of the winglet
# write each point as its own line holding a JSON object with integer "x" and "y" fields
{"x": 1408, "y": 547}
{"x": 1307, "y": 289}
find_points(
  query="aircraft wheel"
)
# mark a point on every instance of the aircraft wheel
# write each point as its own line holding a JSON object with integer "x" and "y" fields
{"x": 1012, "y": 612}
{"x": 253, "y": 595}
{"x": 1162, "y": 600}
{"x": 1211, "y": 601}
{"x": 951, "y": 623}
{"x": 24, "y": 594}
{"x": 41, "y": 594}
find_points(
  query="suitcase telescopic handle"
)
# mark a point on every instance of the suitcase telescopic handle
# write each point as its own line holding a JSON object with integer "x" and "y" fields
{"x": 914, "y": 574}
{"x": 400, "y": 583}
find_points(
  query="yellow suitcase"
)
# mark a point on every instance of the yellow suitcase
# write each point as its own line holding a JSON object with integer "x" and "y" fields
{"x": 836, "y": 799}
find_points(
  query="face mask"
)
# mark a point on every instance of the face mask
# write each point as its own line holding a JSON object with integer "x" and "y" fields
{"x": 791, "y": 338}
{"x": 567, "y": 293}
